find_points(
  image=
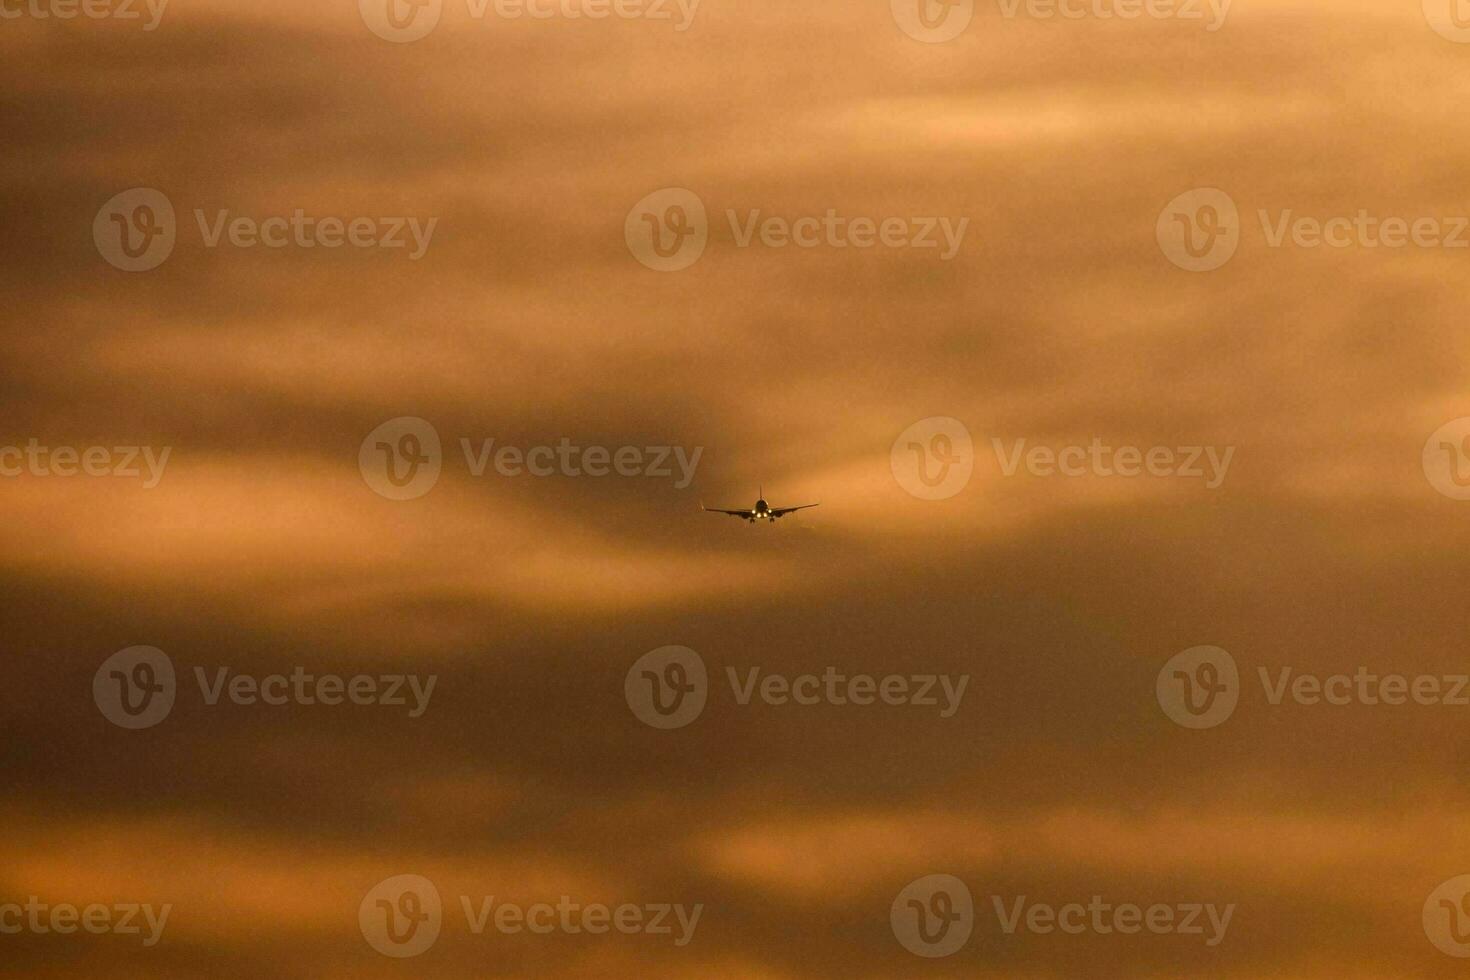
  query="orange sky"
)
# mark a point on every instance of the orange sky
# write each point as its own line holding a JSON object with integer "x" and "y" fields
{"x": 529, "y": 318}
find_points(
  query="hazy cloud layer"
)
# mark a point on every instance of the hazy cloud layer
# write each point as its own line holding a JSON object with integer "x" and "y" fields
{"x": 1058, "y": 321}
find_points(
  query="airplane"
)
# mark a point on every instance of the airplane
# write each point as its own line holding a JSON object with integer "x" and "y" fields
{"x": 762, "y": 511}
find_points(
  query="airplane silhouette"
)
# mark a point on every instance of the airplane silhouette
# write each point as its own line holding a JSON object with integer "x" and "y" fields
{"x": 762, "y": 511}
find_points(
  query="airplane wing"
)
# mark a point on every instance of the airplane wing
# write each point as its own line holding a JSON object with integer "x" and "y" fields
{"x": 747, "y": 514}
{"x": 783, "y": 511}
